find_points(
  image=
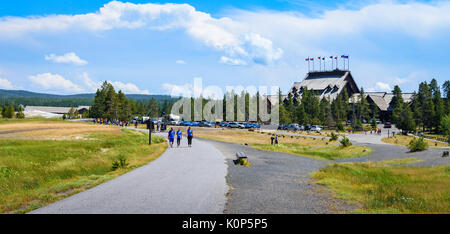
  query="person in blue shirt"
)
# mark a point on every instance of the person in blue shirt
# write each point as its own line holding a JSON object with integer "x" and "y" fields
{"x": 171, "y": 137}
{"x": 190, "y": 135}
{"x": 179, "y": 135}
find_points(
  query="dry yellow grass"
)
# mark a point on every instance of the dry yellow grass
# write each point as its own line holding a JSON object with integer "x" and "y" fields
{"x": 36, "y": 170}
{"x": 404, "y": 141}
{"x": 52, "y": 130}
{"x": 252, "y": 138}
{"x": 389, "y": 186}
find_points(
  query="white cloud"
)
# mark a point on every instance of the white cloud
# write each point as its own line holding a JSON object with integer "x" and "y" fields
{"x": 180, "y": 62}
{"x": 55, "y": 81}
{"x": 222, "y": 34}
{"x": 66, "y": 58}
{"x": 178, "y": 90}
{"x": 89, "y": 83}
{"x": 382, "y": 86}
{"x": 231, "y": 61}
{"x": 128, "y": 88}
{"x": 6, "y": 84}
{"x": 399, "y": 80}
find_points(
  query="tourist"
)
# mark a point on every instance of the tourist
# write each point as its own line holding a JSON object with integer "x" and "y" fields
{"x": 171, "y": 136}
{"x": 179, "y": 135}
{"x": 190, "y": 135}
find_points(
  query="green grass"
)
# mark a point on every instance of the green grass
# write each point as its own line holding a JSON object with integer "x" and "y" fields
{"x": 29, "y": 119}
{"x": 389, "y": 186}
{"x": 320, "y": 152}
{"x": 34, "y": 173}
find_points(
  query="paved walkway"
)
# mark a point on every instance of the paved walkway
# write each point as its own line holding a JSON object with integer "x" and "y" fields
{"x": 181, "y": 180}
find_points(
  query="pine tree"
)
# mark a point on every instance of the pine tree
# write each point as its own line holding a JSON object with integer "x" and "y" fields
{"x": 405, "y": 120}
{"x": 438, "y": 103}
{"x": 363, "y": 107}
{"x": 396, "y": 104}
{"x": 153, "y": 108}
{"x": 284, "y": 115}
{"x": 446, "y": 89}
{"x": 425, "y": 102}
{"x": 9, "y": 112}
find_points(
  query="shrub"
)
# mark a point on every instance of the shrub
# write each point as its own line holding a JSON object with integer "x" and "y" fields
{"x": 345, "y": 142}
{"x": 340, "y": 127}
{"x": 445, "y": 125}
{"x": 120, "y": 162}
{"x": 334, "y": 136}
{"x": 417, "y": 144}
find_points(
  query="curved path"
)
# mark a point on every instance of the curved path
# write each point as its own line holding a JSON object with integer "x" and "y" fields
{"x": 181, "y": 180}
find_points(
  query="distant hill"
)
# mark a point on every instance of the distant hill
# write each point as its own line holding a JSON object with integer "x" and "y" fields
{"x": 24, "y": 97}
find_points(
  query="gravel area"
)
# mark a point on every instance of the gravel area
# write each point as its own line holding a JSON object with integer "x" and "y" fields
{"x": 275, "y": 183}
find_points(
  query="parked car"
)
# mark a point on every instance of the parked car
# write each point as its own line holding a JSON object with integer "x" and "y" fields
{"x": 280, "y": 127}
{"x": 316, "y": 128}
{"x": 224, "y": 125}
{"x": 294, "y": 127}
{"x": 235, "y": 125}
{"x": 206, "y": 124}
{"x": 247, "y": 125}
{"x": 172, "y": 123}
{"x": 387, "y": 125}
{"x": 256, "y": 125}
{"x": 194, "y": 124}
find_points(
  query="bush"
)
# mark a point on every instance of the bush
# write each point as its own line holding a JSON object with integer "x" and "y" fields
{"x": 345, "y": 142}
{"x": 334, "y": 136}
{"x": 417, "y": 144}
{"x": 340, "y": 127}
{"x": 120, "y": 162}
{"x": 445, "y": 125}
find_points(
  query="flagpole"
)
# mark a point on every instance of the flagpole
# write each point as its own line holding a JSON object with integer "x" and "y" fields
{"x": 348, "y": 62}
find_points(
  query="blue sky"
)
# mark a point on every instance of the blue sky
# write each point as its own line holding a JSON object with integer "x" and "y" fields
{"x": 67, "y": 47}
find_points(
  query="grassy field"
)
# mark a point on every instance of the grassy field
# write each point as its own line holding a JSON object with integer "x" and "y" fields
{"x": 404, "y": 141}
{"x": 321, "y": 152}
{"x": 36, "y": 169}
{"x": 321, "y": 148}
{"x": 389, "y": 186}
{"x": 253, "y": 138}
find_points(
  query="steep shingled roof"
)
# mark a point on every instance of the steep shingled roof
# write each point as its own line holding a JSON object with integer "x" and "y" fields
{"x": 327, "y": 83}
{"x": 381, "y": 99}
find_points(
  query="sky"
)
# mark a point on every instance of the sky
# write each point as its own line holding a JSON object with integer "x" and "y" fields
{"x": 162, "y": 47}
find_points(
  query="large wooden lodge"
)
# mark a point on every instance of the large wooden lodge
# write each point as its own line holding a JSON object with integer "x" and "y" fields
{"x": 331, "y": 84}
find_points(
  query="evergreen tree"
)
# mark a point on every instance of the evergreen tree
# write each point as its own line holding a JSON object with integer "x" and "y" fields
{"x": 446, "y": 89}
{"x": 405, "y": 120}
{"x": 439, "y": 109}
{"x": 396, "y": 104}
{"x": 284, "y": 115}
{"x": 153, "y": 108}
{"x": 425, "y": 105}
{"x": 363, "y": 107}
{"x": 9, "y": 113}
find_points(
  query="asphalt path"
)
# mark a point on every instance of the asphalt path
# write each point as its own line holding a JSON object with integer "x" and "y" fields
{"x": 181, "y": 180}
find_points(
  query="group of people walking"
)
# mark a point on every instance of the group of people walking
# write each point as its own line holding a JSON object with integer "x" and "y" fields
{"x": 179, "y": 134}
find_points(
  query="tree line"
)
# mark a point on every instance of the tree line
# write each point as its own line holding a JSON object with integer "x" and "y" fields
{"x": 429, "y": 109}
{"x": 9, "y": 112}
{"x": 111, "y": 105}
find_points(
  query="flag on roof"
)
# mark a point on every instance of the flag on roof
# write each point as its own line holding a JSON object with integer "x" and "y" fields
{"x": 335, "y": 58}
{"x": 323, "y": 58}
{"x": 344, "y": 56}
{"x": 318, "y": 57}
{"x": 312, "y": 59}
{"x": 331, "y": 57}
{"x": 307, "y": 59}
